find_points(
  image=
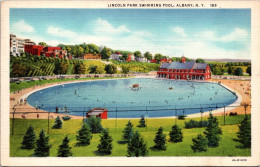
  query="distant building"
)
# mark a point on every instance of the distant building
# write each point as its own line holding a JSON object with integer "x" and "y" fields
{"x": 17, "y": 45}
{"x": 184, "y": 70}
{"x": 161, "y": 61}
{"x": 141, "y": 59}
{"x": 116, "y": 56}
{"x": 33, "y": 49}
{"x": 91, "y": 56}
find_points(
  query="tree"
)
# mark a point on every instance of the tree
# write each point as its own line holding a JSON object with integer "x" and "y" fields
{"x": 84, "y": 135}
{"x": 244, "y": 133}
{"x": 199, "y": 60}
{"x": 19, "y": 70}
{"x": 248, "y": 70}
{"x": 148, "y": 56}
{"x": 94, "y": 49}
{"x": 239, "y": 72}
{"x": 199, "y": 144}
{"x": 57, "y": 123}
{"x": 110, "y": 69}
{"x": 82, "y": 68}
{"x": 230, "y": 70}
{"x": 105, "y": 145}
{"x": 29, "y": 138}
{"x": 64, "y": 66}
{"x": 42, "y": 145}
{"x": 64, "y": 149}
{"x": 106, "y": 53}
{"x": 95, "y": 124}
{"x": 158, "y": 57}
{"x": 137, "y": 54}
{"x": 142, "y": 122}
{"x": 176, "y": 134}
{"x": 213, "y": 131}
{"x": 160, "y": 140}
{"x": 42, "y": 43}
{"x": 125, "y": 69}
{"x": 136, "y": 146}
{"x": 128, "y": 132}
{"x": 68, "y": 48}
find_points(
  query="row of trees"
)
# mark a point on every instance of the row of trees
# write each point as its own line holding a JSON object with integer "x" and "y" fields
{"x": 136, "y": 144}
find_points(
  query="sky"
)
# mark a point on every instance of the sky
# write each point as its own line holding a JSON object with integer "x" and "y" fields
{"x": 195, "y": 33}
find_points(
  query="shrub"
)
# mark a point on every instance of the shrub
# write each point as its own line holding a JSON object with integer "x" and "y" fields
{"x": 182, "y": 117}
{"x": 176, "y": 134}
{"x": 200, "y": 144}
{"x": 94, "y": 123}
{"x": 196, "y": 124}
{"x": 136, "y": 146}
{"x": 66, "y": 118}
{"x": 105, "y": 145}
{"x": 233, "y": 114}
{"x": 57, "y": 123}
{"x": 29, "y": 138}
{"x": 64, "y": 149}
{"x": 84, "y": 135}
{"x": 160, "y": 140}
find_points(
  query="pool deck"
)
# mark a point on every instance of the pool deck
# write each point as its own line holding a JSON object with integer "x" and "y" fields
{"x": 237, "y": 86}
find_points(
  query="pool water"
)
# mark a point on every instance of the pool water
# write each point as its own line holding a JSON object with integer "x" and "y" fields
{"x": 152, "y": 99}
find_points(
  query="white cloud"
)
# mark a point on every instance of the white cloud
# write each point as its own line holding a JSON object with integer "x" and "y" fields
{"x": 55, "y": 31}
{"x": 103, "y": 26}
{"x": 237, "y": 35}
{"x": 22, "y": 27}
{"x": 180, "y": 31}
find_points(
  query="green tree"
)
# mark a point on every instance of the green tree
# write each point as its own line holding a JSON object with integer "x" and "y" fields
{"x": 18, "y": 70}
{"x": 158, "y": 57}
{"x": 148, "y": 56}
{"x": 136, "y": 146}
{"x": 142, "y": 122}
{"x": 137, "y": 54}
{"x": 244, "y": 133}
{"x": 64, "y": 149}
{"x": 42, "y": 145}
{"x": 248, "y": 70}
{"x": 93, "y": 69}
{"x": 57, "y": 123}
{"x": 94, "y": 49}
{"x": 110, "y": 69}
{"x": 42, "y": 43}
{"x": 200, "y": 144}
{"x": 160, "y": 140}
{"x": 176, "y": 134}
{"x": 64, "y": 66}
{"x": 82, "y": 68}
{"x": 213, "y": 131}
{"x": 68, "y": 48}
{"x": 125, "y": 56}
{"x": 239, "y": 72}
{"x": 128, "y": 132}
{"x": 29, "y": 138}
{"x": 84, "y": 135}
{"x": 79, "y": 51}
{"x": 230, "y": 70}
{"x": 106, "y": 53}
{"x": 199, "y": 60}
{"x": 95, "y": 124}
{"x": 105, "y": 145}
{"x": 125, "y": 69}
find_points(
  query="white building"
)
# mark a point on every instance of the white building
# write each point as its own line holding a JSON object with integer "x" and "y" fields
{"x": 17, "y": 44}
{"x": 115, "y": 56}
{"x": 141, "y": 59}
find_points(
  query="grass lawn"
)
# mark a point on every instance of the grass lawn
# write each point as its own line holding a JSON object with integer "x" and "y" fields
{"x": 227, "y": 146}
{"x": 27, "y": 84}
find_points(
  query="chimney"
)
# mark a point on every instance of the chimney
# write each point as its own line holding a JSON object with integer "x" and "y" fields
{"x": 183, "y": 59}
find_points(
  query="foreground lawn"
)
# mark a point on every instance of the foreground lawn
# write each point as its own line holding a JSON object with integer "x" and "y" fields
{"x": 227, "y": 146}
{"x": 27, "y": 84}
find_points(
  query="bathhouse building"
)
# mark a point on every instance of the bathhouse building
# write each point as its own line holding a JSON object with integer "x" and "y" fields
{"x": 184, "y": 70}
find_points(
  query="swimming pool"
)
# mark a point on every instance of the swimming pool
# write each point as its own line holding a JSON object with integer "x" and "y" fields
{"x": 153, "y": 98}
